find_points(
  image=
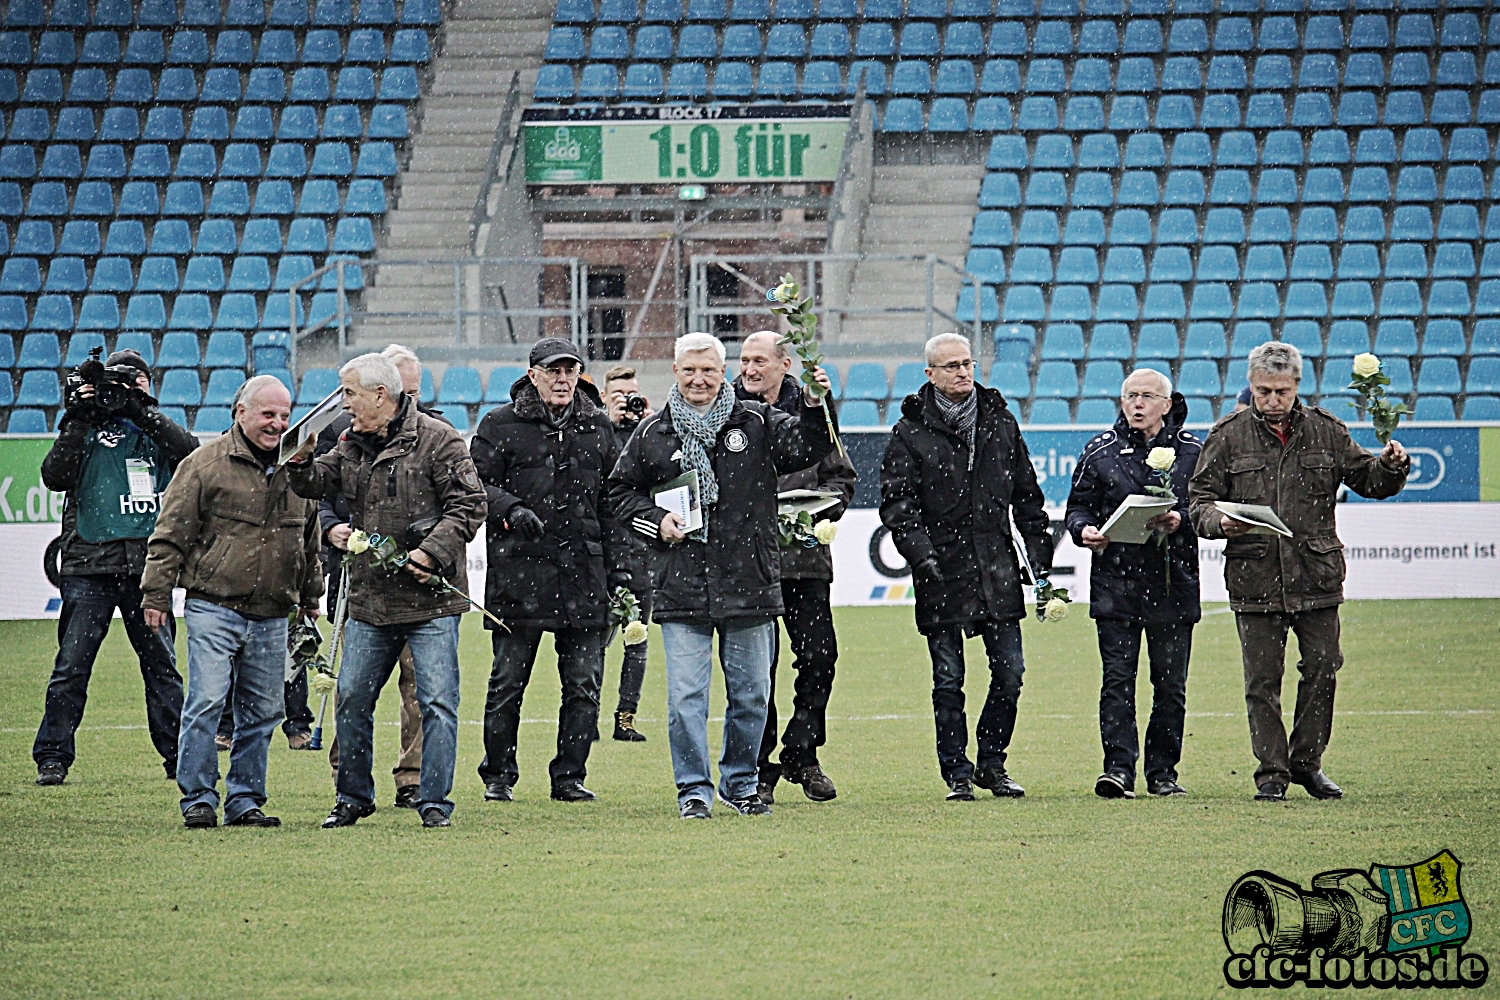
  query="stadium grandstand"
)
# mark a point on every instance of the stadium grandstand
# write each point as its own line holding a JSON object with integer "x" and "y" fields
{"x": 247, "y": 186}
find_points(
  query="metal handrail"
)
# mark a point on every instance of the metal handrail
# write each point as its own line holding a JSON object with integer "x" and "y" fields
{"x": 492, "y": 168}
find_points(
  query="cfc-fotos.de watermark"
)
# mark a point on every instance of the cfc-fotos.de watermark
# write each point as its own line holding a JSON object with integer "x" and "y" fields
{"x": 1388, "y": 926}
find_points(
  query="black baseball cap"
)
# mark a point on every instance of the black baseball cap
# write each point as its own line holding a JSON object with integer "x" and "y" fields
{"x": 553, "y": 349}
{"x": 128, "y": 357}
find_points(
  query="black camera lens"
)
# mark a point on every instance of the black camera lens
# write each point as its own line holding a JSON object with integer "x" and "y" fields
{"x": 635, "y": 403}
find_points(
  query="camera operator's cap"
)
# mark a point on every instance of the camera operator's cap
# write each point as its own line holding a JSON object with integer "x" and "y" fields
{"x": 553, "y": 349}
{"x": 1244, "y": 396}
{"x": 128, "y": 357}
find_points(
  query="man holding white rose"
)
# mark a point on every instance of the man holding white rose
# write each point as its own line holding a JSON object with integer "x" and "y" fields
{"x": 1292, "y": 458}
{"x": 1150, "y": 587}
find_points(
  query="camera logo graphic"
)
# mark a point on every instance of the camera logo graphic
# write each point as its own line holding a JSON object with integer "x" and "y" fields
{"x": 1388, "y": 926}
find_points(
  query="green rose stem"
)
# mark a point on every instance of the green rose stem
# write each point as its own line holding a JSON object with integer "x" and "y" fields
{"x": 1370, "y": 382}
{"x": 1163, "y": 460}
{"x": 803, "y": 337}
{"x": 383, "y": 550}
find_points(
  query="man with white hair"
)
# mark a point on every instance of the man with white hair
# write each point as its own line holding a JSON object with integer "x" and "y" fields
{"x": 1292, "y": 458}
{"x": 245, "y": 547}
{"x": 724, "y": 576}
{"x": 408, "y": 477}
{"x": 955, "y": 472}
{"x": 1150, "y": 587}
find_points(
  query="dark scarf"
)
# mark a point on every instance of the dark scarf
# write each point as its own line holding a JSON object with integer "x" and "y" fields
{"x": 962, "y": 416}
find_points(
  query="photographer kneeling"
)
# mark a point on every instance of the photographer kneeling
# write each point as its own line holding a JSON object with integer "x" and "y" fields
{"x": 114, "y": 455}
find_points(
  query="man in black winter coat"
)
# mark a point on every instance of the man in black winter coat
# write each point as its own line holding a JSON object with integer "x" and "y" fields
{"x": 724, "y": 576}
{"x": 806, "y": 576}
{"x": 555, "y": 555}
{"x": 1151, "y": 587}
{"x": 113, "y": 466}
{"x": 955, "y": 471}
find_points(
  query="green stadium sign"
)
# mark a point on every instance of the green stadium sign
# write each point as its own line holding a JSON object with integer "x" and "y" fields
{"x": 671, "y": 145}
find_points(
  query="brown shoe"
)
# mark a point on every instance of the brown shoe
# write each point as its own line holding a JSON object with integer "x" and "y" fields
{"x": 299, "y": 741}
{"x": 222, "y": 744}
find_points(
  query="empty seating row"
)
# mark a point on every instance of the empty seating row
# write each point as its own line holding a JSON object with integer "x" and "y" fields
{"x": 915, "y": 39}
{"x": 211, "y": 13}
{"x": 1312, "y": 109}
{"x": 276, "y": 197}
{"x": 1262, "y": 262}
{"x": 23, "y": 275}
{"x": 224, "y": 349}
{"x": 1134, "y": 226}
{"x": 173, "y": 237}
{"x": 287, "y": 160}
{"x": 151, "y": 312}
{"x": 1282, "y": 148}
{"x": 1252, "y": 300}
{"x": 217, "y": 86}
{"x": 297, "y": 122}
{"x": 234, "y": 47}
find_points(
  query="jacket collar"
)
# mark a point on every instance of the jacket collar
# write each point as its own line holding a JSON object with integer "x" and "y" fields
{"x": 1176, "y": 417}
{"x": 527, "y": 404}
{"x": 399, "y": 437}
{"x": 1294, "y": 420}
{"x": 922, "y": 407}
{"x": 788, "y": 399}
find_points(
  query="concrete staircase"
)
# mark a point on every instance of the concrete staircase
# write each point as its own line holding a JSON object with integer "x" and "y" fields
{"x": 484, "y": 43}
{"x": 913, "y": 210}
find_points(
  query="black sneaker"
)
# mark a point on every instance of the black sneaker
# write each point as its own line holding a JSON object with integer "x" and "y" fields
{"x": 1271, "y": 791}
{"x": 1112, "y": 786}
{"x": 498, "y": 791}
{"x": 406, "y": 796}
{"x": 1165, "y": 787}
{"x": 51, "y": 774}
{"x": 434, "y": 816}
{"x": 572, "y": 791}
{"x": 766, "y": 792}
{"x": 752, "y": 806}
{"x": 998, "y": 782}
{"x": 625, "y": 730}
{"x": 696, "y": 809}
{"x": 960, "y": 790}
{"x": 346, "y": 814}
{"x": 253, "y": 817}
{"x": 815, "y": 784}
{"x": 200, "y": 817}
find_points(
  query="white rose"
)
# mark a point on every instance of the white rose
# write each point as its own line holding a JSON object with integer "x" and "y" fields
{"x": 825, "y": 532}
{"x": 636, "y": 633}
{"x": 321, "y": 683}
{"x": 1161, "y": 459}
{"x": 1366, "y": 365}
{"x": 1056, "y": 610}
{"x": 358, "y": 543}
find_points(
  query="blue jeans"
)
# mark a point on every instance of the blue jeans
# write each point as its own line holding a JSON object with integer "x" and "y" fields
{"x": 1002, "y": 641}
{"x": 370, "y": 653}
{"x": 745, "y": 654}
{"x": 226, "y": 649}
{"x": 88, "y": 606}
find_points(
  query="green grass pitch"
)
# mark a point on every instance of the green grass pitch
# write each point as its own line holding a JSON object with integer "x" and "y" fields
{"x": 887, "y": 892}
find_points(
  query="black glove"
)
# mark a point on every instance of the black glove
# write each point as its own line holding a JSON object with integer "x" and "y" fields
{"x": 524, "y": 520}
{"x": 927, "y": 571}
{"x": 138, "y": 407}
{"x": 620, "y": 578}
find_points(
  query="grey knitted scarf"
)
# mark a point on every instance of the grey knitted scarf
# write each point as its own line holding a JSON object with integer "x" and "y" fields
{"x": 699, "y": 436}
{"x": 962, "y": 416}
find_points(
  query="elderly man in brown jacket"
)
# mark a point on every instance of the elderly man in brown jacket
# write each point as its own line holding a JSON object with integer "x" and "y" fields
{"x": 408, "y": 477}
{"x": 1291, "y": 458}
{"x": 245, "y": 548}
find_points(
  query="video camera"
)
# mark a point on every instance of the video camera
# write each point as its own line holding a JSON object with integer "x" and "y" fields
{"x": 113, "y": 385}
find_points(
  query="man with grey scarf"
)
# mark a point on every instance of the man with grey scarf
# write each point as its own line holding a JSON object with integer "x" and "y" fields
{"x": 724, "y": 576}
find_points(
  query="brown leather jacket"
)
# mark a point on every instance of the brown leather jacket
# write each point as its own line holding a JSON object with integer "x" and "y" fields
{"x": 233, "y": 536}
{"x": 1243, "y": 460}
{"x": 421, "y": 473}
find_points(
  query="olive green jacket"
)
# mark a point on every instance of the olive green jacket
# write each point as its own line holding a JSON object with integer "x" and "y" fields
{"x": 1244, "y": 461}
{"x": 231, "y": 535}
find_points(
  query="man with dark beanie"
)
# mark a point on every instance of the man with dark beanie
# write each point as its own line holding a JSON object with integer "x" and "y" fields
{"x": 114, "y": 455}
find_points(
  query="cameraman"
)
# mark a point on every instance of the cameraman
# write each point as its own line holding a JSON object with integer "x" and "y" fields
{"x": 114, "y": 465}
{"x": 627, "y": 408}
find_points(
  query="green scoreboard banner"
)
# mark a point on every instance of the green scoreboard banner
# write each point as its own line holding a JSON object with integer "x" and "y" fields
{"x": 691, "y": 145}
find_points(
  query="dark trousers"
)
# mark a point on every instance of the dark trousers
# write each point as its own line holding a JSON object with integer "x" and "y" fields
{"x": 809, "y": 626}
{"x": 1263, "y": 651}
{"x": 1002, "y": 643}
{"x": 580, "y": 665}
{"x": 633, "y": 666}
{"x": 1168, "y": 647}
{"x": 88, "y": 606}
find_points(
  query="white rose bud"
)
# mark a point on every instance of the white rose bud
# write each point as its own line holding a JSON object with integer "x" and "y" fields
{"x": 358, "y": 542}
{"x": 321, "y": 683}
{"x": 636, "y": 633}
{"x": 825, "y": 532}
{"x": 1161, "y": 459}
{"x": 1366, "y": 365}
{"x": 1056, "y": 609}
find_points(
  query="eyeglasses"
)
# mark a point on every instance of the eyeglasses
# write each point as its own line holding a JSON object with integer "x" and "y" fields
{"x": 955, "y": 367}
{"x": 1131, "y": 397}
{"x": 568, "y": 370}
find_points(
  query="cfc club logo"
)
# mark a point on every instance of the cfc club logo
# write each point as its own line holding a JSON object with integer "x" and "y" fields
{"x": 1390, "y": 926}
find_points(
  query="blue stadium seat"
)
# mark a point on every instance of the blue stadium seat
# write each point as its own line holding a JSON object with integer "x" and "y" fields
{"x": 1059, "y": 379}
{"x": 112, "y": 274}
{"x": 644, "y": 80}
{"x": 1484, "y": 374}
{"x": 223, "y": 383}
{"x": 180, "y": 387}
{"x": 859, "y": 413}
{"x": 1442, "y": 337}
{"x": 910, "y": 376}
{"x": 38, "y": 388}
{"x": 1439, "y": 376}
{"x": 989, "y": 309}
{"x": 554, "y": 83}
{"x": 1475, "y": 408}
{"x": 212, "y": 419}
{"x": 1100, "y": 379}
{"x": 1050, "y": 411}
{"x": 992, "y": 229}
{"x": 317, "y": 383}
{"x": 460, "y": 385}
{"x": 501, "y": 378}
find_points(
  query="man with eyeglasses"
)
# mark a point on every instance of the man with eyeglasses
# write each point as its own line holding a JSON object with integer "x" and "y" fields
{"x": 555, "y": 556}
{"x": 1150, "y": 587}
{"x": 956, "y": 471}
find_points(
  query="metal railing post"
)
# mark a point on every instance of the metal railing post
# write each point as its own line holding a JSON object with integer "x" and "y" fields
{"x": 931, "y": 260}
{"x": 343, "y": 308}
{"x": 458, "y": 304}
